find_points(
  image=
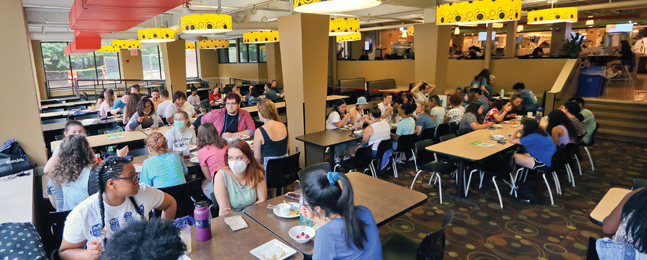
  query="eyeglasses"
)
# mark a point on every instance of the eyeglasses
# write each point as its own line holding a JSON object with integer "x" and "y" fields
{"x": 133, "y": 179}
{"x": 237, "y": 158}
{"x": 231, "y": 103}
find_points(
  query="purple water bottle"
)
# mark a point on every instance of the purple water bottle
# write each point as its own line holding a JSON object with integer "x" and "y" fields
{"x": 202, "y": 221}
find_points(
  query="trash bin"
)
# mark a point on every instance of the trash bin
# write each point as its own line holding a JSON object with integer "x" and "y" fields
{"x": 591, "y": 79}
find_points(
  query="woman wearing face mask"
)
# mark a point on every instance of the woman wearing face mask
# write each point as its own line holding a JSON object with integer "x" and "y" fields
{"x": 145, "y": 116}
{"x": 164, "y": 168}
{"x": 181, "y": 135}
{"x": 242, "y": 182}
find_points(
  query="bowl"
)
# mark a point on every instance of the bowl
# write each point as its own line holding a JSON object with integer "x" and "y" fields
{"x": 519, "y": 117}
{"x": 498, "y": 137}
{"x": 358, "y": 132}
{"x": 310, "y": 232}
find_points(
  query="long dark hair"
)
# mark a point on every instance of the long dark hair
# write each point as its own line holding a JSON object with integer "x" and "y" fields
{"x": 208, "y": 135}
{"x": 435, "y": 99}
{"x": 75, "y": 155}
{"x": 484, "y": 74}
{"x": 131, "y": 106}
{"x": 637, "y": 224}
{"x": 574, "y": 109}
{"x": 141, "y": 105}
{"x": 111, "y": 168}
{"x": 254, "y": 173}
{"x": 318, "y": 191}
{"x": 336, "y": 106}
{"x": 624, "y": 45}
{"x": 474, "y": 109}
{"x": 530, "y": 126}
{"x": 558, "y": 117}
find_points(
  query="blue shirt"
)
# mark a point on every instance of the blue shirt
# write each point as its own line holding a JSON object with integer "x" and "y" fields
{"x": 426, "y": 122}
{"x": 330, "y": 242}
{"x": 529, "y": 101}
{"x": 163, "y": 171}
{"x": 119, "y": 104}
{"x": 539, "y": 146}
{"x": 406, "y": 126}
{"x": 485, "y": 103}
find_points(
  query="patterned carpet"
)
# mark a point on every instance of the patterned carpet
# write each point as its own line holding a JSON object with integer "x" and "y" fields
{"x": 520, "y": 230}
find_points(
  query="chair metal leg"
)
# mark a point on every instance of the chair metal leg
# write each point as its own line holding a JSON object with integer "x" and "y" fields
{"x": 336, "y": 166}
{"x": 579, "y": 167}
{"x": 469, "y": 180}
{"x": 414, "y": 179}
{"x": 481, "y": 181}
{"x": 558, "y": 186}
{"x": 570, "y": 172}
{"x": 513, "y": 185}
{"x": 497, "y": 191}
{"x": 550, "y": 193}
{"x": 440, "y": 188}
{"x": 590, "y": 159}
{"x": 526, "y": 175}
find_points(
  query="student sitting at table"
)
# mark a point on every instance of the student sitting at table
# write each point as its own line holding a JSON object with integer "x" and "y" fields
{"x": 236, "y": 91}
{"x": 155, "y": 97}
{"x": 252, "y": 97}
{"x": 194, "y": 99}
{"x": 214, "y": 95}
{"x": 231, "y": 121}
{"x": 472, "y": 118}
{"x": 460, "y": 90}
{"x": 406, "y": 126}
{"x": 241, "y": 183}
{"x": 628, "y": 221}
{"x": 377, "y": 131}
{"x": 587, "y": 115}
{"x": 572, "y": 110}
{"x": 146, "y": 239}
{"x": 482, "y": 82}
{"x": 437, "y": 112}
{"x": 264, "y": 137}
{"x": 529, "y": 101}
{"x": 560, "y": 128}
{"x": 481, "y": 99}
{"x": 107, "y": 103}
{"x": 356, "y": 113}
{"x": 385, "y": 106}
{"x": 71, "y": 127}
{"x": 539, "y": 146}
{"x": 101, "y": 98}
{"x": 120, "y": 105}
{"x": 516, "y": 108}
{"x": 164, "y": 168}
{"x": 205, "y": 107}
{"x": 136, "y": 89}
{"x": 121, "y": 199}
{"x": 456, "y": 113}
{"x": 346, "y": 231}
{"x": 180, "y": 136}
{"x": 179, "y": 103}
{"x": 73, "y": 179}
{"x": 498, "y": 112}
{"x": 131, "y": 107}
{"x": 539, "y": 51}
{"x": 161, "y": 108}
{"x": 338, "y": 118}
{"x": 271, "y": 92}
{"x": 422, "y": 90}
{"x": 425, "y": 120}
{"x": 144, "y": 117}
{"x": 211, "y": 154}
{"x": 625, "y": 58}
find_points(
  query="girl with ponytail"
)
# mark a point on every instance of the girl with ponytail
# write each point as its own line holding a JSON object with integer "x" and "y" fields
{"x": 347, "y": 231}
{"x": 120, "y": 199}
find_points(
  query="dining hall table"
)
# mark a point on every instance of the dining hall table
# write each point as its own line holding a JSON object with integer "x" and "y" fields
{"x": 386, "y": 201}
{"x": 118, "y": 138}
{"x": 316, "y": 144}
{"x": 65, "y": 105}
{"x": 611, "y": 199}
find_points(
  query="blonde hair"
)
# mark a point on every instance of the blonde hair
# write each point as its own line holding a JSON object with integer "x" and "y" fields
{"x": 157, "y": 142}
{"x": 425, "y": 108}
{"x": 267, "y": 109}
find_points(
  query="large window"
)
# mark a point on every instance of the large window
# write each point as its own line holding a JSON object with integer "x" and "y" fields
{"x": 242, "y": 50}
{"x": 152, "y": 63}
{"x": 228, "y": 55}
{"x": 62, "y": 70}
{"x": 262, "y": 53}
{"x": 191, "y": 63}
{"x": 244, "y": 53}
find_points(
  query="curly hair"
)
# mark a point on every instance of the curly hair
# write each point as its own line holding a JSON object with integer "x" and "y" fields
{"x": 152, "y": 239}
{"x": 75, "y": 154}
{"x": 157, "y": 142}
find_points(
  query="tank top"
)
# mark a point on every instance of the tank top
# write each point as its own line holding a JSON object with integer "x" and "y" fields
{"x": 381, "y": 131}
{"x": 272, "y": 148}
{"x": 239, "y": 196}
{"x": 565, "y": 138}
{"x": 77, "y": 191}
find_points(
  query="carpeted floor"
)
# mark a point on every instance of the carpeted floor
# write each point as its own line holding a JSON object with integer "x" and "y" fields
{"x": 521, "y": 230}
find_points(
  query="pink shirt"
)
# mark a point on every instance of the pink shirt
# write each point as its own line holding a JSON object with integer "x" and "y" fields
{"x": 105, "y": 108}
{"x": 212, "y": 157}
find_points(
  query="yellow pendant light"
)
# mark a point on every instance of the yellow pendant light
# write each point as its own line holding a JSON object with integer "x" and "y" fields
{"x": 554, "y": 15}
{"x": 261, "y": 37}
{"x": 189, "y": 45}
{"x": 107, "y": 48}
{"x": 349, "y": 37}
{"x": 343, "y": 26}
{"x": 205, "y": 23}
{"x": 410, "y": 30}
{"x": 126, "y": 44}
{"x": 478, "y": 11}
{"x": 156, "y": 35}
{"x": 213, "y": 44}
{"x": 332, "y": 6}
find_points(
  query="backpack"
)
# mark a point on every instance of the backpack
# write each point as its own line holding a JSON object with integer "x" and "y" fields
{"x": 13, "y": 159}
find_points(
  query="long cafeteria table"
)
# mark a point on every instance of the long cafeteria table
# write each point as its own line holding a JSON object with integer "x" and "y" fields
{"x": 86, "y": 123}
{"x": 55, "y": 100}
{"x": 611, "y": 199}
{"x": 385, "y": 200}
{"x": 68, "y": 104}
{"x": 63, "y": 114}
{"x": 128, "y": 136}
{"x": 316, "y": 144}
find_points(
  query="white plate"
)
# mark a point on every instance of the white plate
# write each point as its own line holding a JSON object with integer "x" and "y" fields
{"x": 295, "y": 208}
{"x": 243, "y": 137}
{"x": 193, "y": 147}
{"x": 273, "y": 250}
{"x": 194, "y": 160}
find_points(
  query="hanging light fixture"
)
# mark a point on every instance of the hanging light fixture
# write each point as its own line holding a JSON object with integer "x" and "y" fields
{"x": 589, "y": 22}
{"x": 205, "y": 23}
{"x": 478, "y": 11}
{"x": 349, "y": 37}
{"x": 468, "y": 24}
{"x": 332, "y": 6}
{"x": 126, "y": 44}
{"x": 410, "y": 30}
{"x": 519, "y": 28}
{"x": 156, "y": 35}
{"x": 107, "y": 48}
{"x": 213, "y": 44}
{"x": 189, "y": 45}
{"x": 261, "y": 37}
{"x": 343, "y": 26}
{"x": 457, "y": 31}
{"x": 497, "y": 25}
{"x": 554, "y": 15}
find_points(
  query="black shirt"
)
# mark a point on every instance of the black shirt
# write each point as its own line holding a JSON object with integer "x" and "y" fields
{"x": 472, "y": 55}
{"x": 231, "y": 123}
{"x": 626, "y": 54}
{"x": 197, "y": 123}
{"x": 537, "y": 51}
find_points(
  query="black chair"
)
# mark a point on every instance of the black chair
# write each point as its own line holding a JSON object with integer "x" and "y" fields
{"x": 320, "y": 166}
{"x": 436, "y": 168}
{"x": 59, "y": 137}
{"x": 554, "y": 162}
{"x": 500, "y": 165}
{"x": 453, "y": 127}
{"x": 383, "y": 147}
{"x": 591, "y": 142}
{"x": 406, "y": 144}
{"x": 428, "y": 134}
{"x": 138, "y": 152}
{"x": 447, "y": 137}
{"x": 639, "y": 183}
{"x": 362, "y": 159}
{"x": 282, "y": 172}
{"x": 432, "y": 247}
{"x": 182, "y": 195}
{"x": 441, "y": 130}
{"x": 464, "y": 131}
{"x": 592, "y": 252}
{"x": 57, "y": 224}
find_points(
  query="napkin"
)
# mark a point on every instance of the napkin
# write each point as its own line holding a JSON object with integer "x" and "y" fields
{"x": 236, "y": 223}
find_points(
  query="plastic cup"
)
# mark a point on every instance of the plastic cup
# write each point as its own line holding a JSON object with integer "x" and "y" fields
{"x": 186, "y": 153}
{"x": 284, "y": 209}
{"x": 185, "y": 235}
{"x": 529, "y": 114}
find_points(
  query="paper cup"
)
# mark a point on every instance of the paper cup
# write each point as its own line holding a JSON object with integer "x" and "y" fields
{"x": 529, "y": 114}
{"x": 284, "y": 209}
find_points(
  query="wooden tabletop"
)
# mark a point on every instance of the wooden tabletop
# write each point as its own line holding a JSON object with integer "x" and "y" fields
{"x": 63, "y": 113}
{"x": 607, "y": 204}
{"x": 335, "y": 97}
{"x": 68, "y": 104}
{"x": 385, "y": 200}
{"x": 129, "y": 136}
{"x": 227, "y": 244}
{"x": 327, "y": 138}
{"x": 462, "y": 146}
{"x": 252, "y": 109}
{"x": 89, "y": 122}
{"x": 141, "y": 158}
{"x": 59, "y": 99}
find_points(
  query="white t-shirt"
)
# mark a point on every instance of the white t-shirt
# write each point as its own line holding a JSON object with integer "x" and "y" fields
{"x": 84, "y": 222}
{"x": 171, "y": 109}
{"x": 439, "y": 113}
{"x": 161, "y": 108}
{"x": 382, "y": 107}
{"x": 333, "y": 117}
{"x": 177, "y": 140}
{"x": 419, "y": 97}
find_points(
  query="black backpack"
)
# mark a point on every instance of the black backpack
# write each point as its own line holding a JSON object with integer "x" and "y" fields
{"x": 13, "y": 159}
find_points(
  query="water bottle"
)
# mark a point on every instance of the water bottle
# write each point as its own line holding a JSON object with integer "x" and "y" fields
{"x": 539, "y": 114}
{"x": 502, "y": 93}
{"x": 202, "y": 221}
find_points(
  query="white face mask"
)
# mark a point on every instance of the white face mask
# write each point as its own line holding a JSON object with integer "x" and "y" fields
{"x": 237, "y": 167}
{"x": 146, "y": 113}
